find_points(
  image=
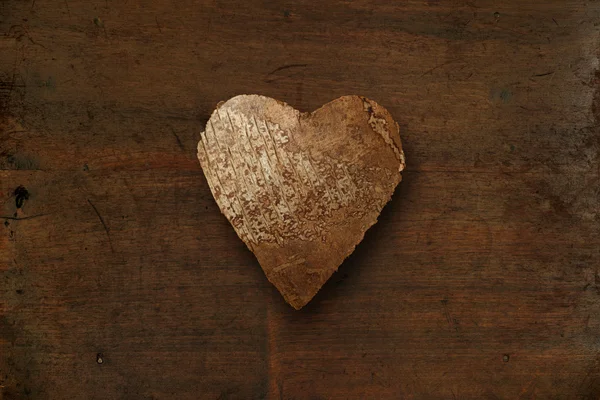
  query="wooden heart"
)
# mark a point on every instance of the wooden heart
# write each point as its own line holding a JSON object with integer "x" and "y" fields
{"x": 301, "y": 189}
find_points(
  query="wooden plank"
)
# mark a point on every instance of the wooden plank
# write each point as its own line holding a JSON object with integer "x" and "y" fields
{"x": 479, "y": 281}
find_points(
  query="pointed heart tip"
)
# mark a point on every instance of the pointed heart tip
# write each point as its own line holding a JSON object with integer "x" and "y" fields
{"x": 298, "y": 283}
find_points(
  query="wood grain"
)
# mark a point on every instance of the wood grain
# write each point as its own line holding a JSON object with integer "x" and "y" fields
{"x": 480, "y": 281}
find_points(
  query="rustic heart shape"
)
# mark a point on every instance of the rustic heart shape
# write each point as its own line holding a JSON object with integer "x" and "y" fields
{"x": 301, "y": 189}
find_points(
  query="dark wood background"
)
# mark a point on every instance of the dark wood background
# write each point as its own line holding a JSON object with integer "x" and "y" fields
{"x": 481, "y": 280}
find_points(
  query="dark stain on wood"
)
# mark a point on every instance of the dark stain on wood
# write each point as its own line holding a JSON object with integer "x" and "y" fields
{"x": 21, "y": 194}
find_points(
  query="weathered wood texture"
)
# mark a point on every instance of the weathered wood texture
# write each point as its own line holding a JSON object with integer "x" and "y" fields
{"x": 481, "y": 280}
{"x": 301, "y": 189}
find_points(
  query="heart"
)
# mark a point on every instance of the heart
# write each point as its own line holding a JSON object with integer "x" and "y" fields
{"x": 301, "y": 189}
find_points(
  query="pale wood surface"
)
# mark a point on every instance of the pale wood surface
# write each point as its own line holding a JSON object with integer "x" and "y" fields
{"x": 301, "y": 189}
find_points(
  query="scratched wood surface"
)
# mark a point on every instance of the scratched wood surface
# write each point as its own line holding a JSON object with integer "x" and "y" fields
{"x": 120, "y": 279}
